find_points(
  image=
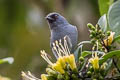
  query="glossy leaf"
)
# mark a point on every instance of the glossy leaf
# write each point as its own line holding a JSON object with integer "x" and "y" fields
{"x": 109, "y": 55}
{"x": 85, "y": 53}
{"x": 102, "y": 22}
{"x": 77, "y": 52}
{"x": 116, "y": 38}
{"x": 104, "y": 6}
{"x": 114, "y": 17}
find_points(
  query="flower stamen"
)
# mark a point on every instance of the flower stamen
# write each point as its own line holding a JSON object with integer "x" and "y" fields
{"x": 66, "y": 45}
{"x": 45, "y": 57}
{"x": 64, "y": 51}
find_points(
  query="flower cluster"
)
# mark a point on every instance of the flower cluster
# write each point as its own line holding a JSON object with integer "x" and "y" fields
{"x": 90, "y": 65}
{"x": 64, "y": 61}
{"x": 98, "y": 38}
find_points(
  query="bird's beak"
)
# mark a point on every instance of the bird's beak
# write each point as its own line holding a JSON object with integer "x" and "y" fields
{"x": 49, "y": 18}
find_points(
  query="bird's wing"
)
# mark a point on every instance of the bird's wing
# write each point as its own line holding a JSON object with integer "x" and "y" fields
{"x": 69, "y": 42}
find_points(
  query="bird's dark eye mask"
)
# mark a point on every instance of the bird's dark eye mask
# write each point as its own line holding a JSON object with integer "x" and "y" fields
{"x": 52, "y": 18}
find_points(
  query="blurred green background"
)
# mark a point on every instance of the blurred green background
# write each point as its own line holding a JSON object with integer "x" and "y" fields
{"x": 24, "y": 30}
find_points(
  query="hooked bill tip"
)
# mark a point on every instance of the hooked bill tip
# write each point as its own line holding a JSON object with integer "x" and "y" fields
{"x": 49, "y": 18}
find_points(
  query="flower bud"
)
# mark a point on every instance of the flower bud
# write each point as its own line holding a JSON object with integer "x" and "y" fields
{"x": 91, "y": 69}
{"x": 93, "y": 33}
{"x": 103, "y": 66}
{"x": 91, "y": 36}
{"x": 59, "y": 77}
{"x": 108, "y": 33}
{"x": 74, "y": 77}
{"x": 100, "y": 31}
{"x": 50, "y": 71}
{"x": 43, "y": 77}
{"x": 93, "y": 40}
{"x": 91, "y": 26}
{"x": 95, "y": 61}
{"x": 81, "y": 59}
{"x": 89, "y": 73}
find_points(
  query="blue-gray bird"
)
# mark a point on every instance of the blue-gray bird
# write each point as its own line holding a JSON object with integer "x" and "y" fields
{"x": 59, "y": 28}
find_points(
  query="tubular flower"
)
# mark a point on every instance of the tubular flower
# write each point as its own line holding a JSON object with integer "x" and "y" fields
{"x": 94, "y": 61}
{"x": 71, "y": 61}
{"x": 64, "y": 57}
{"x": 57, "y": 66}
{"x": 109, "y": 40}
{"x": 43, "y": 77}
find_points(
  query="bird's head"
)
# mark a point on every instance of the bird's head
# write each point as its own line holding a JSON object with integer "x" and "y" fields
{"x": 54, "y": 19}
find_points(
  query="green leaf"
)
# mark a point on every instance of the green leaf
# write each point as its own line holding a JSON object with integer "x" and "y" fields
{"x": 114, "y": 17}
{"x": 109, "y": 55}
{"x": 102, "y": 22}
{"x": 116, "y": 38}
{"x": 77, "y": 52}
{"x": 10, "y": 60}
{"x": 86, "y": 53}
{"x": 104, "y": 6}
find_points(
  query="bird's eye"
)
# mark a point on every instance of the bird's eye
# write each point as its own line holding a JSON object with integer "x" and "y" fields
{"x": 55, "y": 16}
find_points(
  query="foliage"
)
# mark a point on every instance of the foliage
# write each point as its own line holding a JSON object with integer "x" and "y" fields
{"x": 104, "y": 6}
{"x": 114, "y": 17}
